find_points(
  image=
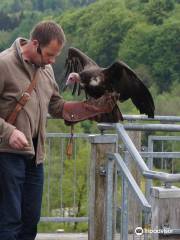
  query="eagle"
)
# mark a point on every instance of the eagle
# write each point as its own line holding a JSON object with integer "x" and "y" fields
{"x": 117, "y": 78}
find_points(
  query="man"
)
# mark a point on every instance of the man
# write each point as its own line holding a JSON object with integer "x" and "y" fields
{"x": 22, "y": 125}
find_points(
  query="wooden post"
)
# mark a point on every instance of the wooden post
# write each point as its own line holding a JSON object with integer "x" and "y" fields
{"x": 134, "y": 219}
{"x": 100, "y": 146}
{"x": 165, "y": 211}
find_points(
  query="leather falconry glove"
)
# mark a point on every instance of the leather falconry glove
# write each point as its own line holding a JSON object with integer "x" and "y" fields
{"x": 74, "y": 112}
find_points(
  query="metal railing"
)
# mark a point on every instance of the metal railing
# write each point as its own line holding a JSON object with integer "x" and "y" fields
{"x": 146, "y": 172}
{"x": 164, "y": 119}
{"x": 128, "y": 181}
{"x": 151, "y": 155}
{"x": 56, "y": 177}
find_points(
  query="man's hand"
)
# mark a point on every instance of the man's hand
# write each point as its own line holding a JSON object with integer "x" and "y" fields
{"x": 18, "y": 140}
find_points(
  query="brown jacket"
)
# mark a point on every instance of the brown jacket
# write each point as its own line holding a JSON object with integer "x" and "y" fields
{"x": 15, "y": 77}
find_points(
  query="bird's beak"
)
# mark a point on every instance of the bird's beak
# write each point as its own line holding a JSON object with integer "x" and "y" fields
{"x": 69, "y": 81}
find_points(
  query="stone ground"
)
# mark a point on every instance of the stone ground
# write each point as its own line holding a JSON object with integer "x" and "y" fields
{"x": 62, "y": 236}
{"x": 72, "y": 236}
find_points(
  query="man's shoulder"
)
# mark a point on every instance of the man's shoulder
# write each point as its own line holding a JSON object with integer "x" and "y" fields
{"x": 7, "y": 55}
{"x": 7, "y": 52}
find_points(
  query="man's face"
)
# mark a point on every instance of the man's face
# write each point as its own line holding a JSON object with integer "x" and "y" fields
{"x": 48, "y": 53}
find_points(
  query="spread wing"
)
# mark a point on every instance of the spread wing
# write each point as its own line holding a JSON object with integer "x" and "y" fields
{"x": 124, "y": 80}
{"x": 76, "y": 62}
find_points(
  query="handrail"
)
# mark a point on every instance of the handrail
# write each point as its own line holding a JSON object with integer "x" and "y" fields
{"x": 156, "y": 118}
{"x": 146, "y": 172}
{"x": 141, "y": 127}
{"x": 131, "y": 181}
{"x": 66, "y": 135}
{"x": 162, "y": 176}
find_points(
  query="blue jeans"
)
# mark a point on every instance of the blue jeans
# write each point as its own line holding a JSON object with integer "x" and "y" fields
{"x": 21, "y": 187}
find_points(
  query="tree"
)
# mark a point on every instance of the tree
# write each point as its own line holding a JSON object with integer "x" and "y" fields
{"x": 99, "y": 39}
{"x": 158, "y": 48}
{"x": 165, "y": 55}
{"x": 137, "y": 45}
{"x": 168, "y": 103}
{"x": 38, "y": 5}
{"x": 28, "y": 21}
{"x": 16, "y": 6}
{"x": 157, "y": 10}
{"x": 8, "y": 22}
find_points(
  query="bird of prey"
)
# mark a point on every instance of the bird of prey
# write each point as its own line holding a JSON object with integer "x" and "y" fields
{"x": 85, "y": 74}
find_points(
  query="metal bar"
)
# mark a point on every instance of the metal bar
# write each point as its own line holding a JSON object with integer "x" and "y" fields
{"x": 109, "y": 206}
{"x": 67, "y": 135}
{"x": 48, "y": 177}
{"x": 160, "y": 154}
{"x": 131, "y": 182}
{"x": 165, "y": 138}
{"x": 64, "y": 219}
{"x": 61, "y": 174}
{"x": 124, "y": 206}
{"x": 124, "y": 210}
{"x": 153, "y": 127}
{"x": 87, "y": 181}
{"x": 162, "y": 176}
{"x": 149, "y": 182}
{"x": 141, "y": 127}
{"x": 156, "y": 118}
{"x": 131, "y": 148}
{"x": 162, "y": 150}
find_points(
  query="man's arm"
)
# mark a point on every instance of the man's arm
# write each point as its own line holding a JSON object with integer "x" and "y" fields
{"x": 8, "y": 132}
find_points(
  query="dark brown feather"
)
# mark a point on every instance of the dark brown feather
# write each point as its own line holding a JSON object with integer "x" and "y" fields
{"x": 118, "y": 77}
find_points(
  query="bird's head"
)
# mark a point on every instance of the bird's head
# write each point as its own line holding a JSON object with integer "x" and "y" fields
{"x": 73, "y": 78}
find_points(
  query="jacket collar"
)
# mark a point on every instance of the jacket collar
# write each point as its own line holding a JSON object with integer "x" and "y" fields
{"x": 29, "y": 67}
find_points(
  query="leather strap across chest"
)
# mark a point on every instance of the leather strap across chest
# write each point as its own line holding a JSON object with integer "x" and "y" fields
{"x": 23, "y": 100}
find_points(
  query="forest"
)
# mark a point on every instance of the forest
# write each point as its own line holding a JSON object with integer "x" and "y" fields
{"x": 144, "y": 34}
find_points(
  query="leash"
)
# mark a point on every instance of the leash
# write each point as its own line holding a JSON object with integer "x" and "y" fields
{"x": 69, "y": 148}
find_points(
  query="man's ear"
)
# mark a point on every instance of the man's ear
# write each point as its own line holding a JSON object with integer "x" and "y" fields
{"x": 35, "y": 43}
